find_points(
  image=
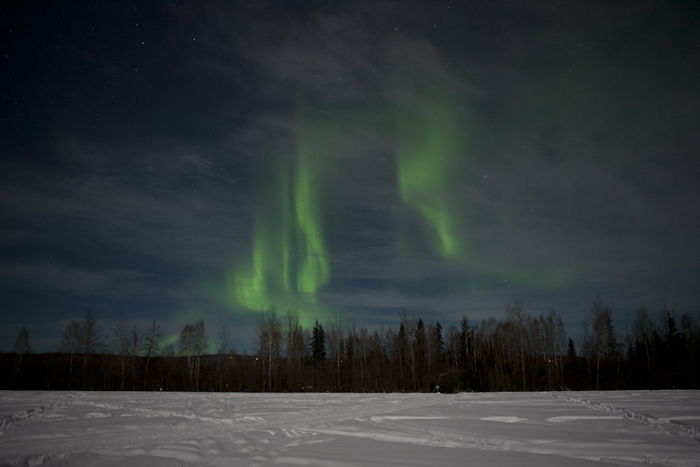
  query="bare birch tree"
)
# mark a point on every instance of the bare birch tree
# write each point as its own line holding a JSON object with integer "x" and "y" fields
{"x": 294, "y": 350}
{"x": 151, "y": 345}
{"x": 122, "y": 344}
{"x": 268, "y": 336}
{"x": 21, "y": 347}
{"x": 134, "y": 350}
{"x": 193, "y": 344}
{"x": 518, "y": 318}
{"x": 335, "y": 337}
{"x": 90, "y": 340}
{"x": 600, "y": 341}
{"x": 69, "y": 345}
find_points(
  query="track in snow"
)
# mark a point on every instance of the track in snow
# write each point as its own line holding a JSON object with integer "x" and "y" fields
{"x": 205, "y": 426}
{"x": 37, "y": 413}
{"x": 673, "y": 426}
{"x": 166, "y": 429}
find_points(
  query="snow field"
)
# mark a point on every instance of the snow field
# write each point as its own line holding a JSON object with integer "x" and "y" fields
{"x": 217, "y": 429}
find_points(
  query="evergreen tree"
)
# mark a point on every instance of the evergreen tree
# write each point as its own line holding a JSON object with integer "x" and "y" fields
{"x": 464, "y": 344}
{"x": 439, "y": 342}
{"x": 317, "y": 353}
{"x": 673, "y": 351}
{"x": 420, "y": 353}
{"x": 317, "y": 349}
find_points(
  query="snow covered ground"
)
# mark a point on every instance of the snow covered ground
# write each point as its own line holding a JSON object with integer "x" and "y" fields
{"x": 240, "y": 429}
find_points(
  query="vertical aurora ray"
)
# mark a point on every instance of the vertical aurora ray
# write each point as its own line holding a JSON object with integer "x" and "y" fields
{"x": 313, "y": 268}
{"x": 430, "y": 141}
{"x": 270, "y": 272}
{"x": 289, "y": 260}
{"x": 286, "y": 242}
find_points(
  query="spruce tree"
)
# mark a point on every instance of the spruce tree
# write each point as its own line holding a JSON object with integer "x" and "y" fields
{"x": 439, "y": 342}
{"x": 318, "y": 345}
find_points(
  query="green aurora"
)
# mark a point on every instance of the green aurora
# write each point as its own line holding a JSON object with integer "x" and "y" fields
{"x": 290, "y": 261}
{"x": 289, "y": 253}
{"x": 431, "y": 142}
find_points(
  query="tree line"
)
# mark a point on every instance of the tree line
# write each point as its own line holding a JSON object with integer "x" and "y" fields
{"x": 520, "y": 352}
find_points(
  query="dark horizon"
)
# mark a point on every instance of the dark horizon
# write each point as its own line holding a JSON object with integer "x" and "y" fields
{"x": 520, "y": 353}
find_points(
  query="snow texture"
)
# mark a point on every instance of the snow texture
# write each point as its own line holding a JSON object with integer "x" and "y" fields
{"x": 223, "y": 429}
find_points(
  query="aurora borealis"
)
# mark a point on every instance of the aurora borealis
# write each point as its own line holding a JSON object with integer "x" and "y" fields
{"x": 178, "y": 161}
{"x": 290, "y": 257}
{"x": 430, "y": 138}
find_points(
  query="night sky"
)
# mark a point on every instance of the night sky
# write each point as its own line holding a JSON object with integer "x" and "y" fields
{"x": 186, "y": 160}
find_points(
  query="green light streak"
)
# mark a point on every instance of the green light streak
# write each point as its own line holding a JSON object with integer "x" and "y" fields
{"x": 533, "y": 279}
{"x": 270, "y": 271}
{"x": 171, "y": 339}
{"x": 289, "y": 254}
{"x": 313, "y": 268}
{"x": 249, "y": 283}
{"x": 431, "y": 141}
{"x": 542, "y": 278}
{"x": 286, "y": 239}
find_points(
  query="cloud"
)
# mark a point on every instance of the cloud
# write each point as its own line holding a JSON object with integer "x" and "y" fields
{"x": 169, "y": 201}
{"x": 82, "y": 281}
